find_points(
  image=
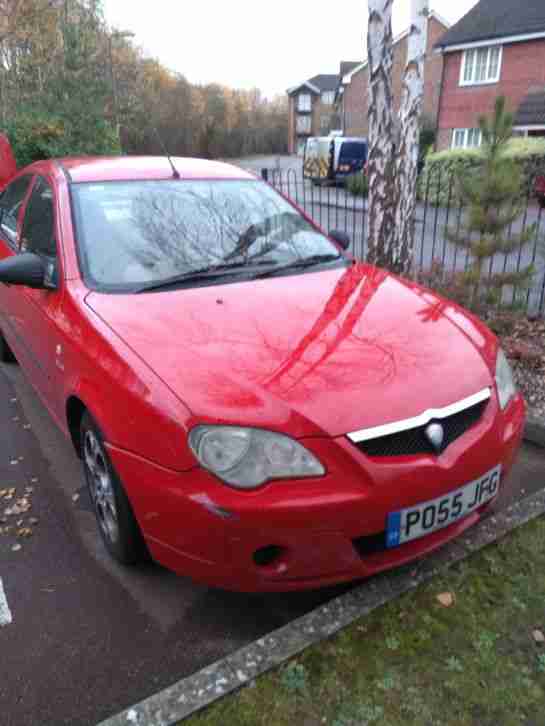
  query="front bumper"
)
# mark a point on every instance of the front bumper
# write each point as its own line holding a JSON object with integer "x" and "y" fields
{"x": 197, "y": 526}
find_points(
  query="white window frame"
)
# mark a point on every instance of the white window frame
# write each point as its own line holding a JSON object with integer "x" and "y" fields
{"x": 524, "y": 130}
{"x": 466, "y": 133}
{"x": 307, "y": 105}
{"x": 305, "y": 121}
{"x": 474, "y": 52}
{"x": 328, "y": 98}
{"x": 325, "y": 122}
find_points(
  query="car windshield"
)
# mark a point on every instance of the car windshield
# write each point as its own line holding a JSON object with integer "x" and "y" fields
{"x": 138, "y": 233}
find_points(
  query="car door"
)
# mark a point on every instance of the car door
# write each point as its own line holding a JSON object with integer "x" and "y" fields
{"x": 38, "y": 311}
{"x": 11, "y": 206}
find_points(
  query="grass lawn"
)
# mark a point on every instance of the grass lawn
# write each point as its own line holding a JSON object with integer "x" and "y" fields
{"x": 416, "y": 661}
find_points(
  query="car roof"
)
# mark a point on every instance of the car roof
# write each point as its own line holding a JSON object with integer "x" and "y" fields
{"x": 123, "y": 168}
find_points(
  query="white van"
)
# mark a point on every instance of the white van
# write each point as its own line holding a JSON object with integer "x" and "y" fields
{"x": 334, "y": 158}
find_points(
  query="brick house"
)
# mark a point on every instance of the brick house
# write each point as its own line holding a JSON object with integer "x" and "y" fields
{"x": 351, "y": 98}
{"x": 311, "y": 110}
{"x": 498, "y": 48}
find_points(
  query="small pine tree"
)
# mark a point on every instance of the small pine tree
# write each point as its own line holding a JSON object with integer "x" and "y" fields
{"x": 494, "y": 198}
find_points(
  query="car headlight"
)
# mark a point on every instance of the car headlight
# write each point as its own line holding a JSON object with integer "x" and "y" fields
{"x": 247, "y": 458}
{"x": 504, "y": 380}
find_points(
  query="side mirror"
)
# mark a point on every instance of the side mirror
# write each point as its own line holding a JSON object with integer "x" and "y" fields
{"x": 27, "y": 269}
{"x": 341, "y": 238}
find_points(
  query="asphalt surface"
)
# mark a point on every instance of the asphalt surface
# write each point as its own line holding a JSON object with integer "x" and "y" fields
{"x": 89, "y": 638}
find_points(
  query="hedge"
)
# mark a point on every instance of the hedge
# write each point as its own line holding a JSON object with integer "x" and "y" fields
{"x": 444, "y": 166}
{"x": 358, "y": 185}
{"x": 36, "y": 135}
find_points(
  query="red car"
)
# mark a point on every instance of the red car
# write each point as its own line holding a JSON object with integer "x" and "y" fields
{"x": 252, "y": 407}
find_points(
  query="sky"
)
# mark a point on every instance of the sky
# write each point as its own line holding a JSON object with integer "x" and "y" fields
{"x": 251, "y": 43}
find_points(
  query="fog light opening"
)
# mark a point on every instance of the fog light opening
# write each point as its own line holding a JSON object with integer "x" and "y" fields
{"x": 267, "y": 556}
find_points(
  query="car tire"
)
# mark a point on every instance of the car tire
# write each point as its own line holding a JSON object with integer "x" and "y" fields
{"x": 6, "y": 356}
{"x": 116, "y": 521}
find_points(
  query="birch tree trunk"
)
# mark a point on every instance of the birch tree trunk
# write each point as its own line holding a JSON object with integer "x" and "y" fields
{"x": 381, "y": 163}
{"x": 406, "y": 164}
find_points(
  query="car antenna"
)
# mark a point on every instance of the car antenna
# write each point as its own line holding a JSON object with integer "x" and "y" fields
{"x": 175, "y": 172}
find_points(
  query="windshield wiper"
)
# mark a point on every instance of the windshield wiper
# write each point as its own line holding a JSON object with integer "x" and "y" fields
{"x": 203, "y": 273}
{"x": 300, "y": 264}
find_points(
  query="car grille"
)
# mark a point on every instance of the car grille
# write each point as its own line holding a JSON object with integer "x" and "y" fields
{"x": 414, "y": 441}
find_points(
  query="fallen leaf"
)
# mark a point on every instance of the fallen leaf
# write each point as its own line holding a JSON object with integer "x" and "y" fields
{"x": 75, "y": 497}
{"x": 16, "y": 548}
{"x": 21, "y": 506}
{"x": 33, "y": 521}
{"x": 446, "y": 599}
{"x": 538, "y": 636}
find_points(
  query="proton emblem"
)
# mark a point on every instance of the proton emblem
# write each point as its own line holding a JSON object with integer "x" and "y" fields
{"x": 435, "y": 435}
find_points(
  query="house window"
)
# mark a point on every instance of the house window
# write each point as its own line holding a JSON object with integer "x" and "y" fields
{"x": 324, "y": 124}
{"x": 466, "y": 138}
{"x": 328, "y": 98}
{"x": 303, "y": 124}
{"x": 481, "y": 65}
{"x": 304, "y": 103}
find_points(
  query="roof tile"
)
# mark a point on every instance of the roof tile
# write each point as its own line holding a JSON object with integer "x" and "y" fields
{"x": 493, "y": 19}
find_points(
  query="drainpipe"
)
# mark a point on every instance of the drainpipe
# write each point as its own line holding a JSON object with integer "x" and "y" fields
{"x": 440, "y": 100}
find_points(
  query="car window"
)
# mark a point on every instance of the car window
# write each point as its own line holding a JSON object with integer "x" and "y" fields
{"x": 38, "y": 234}
{"x": 134, "y": 233}
{"x": 10, "y": 205}
{"x": 354, "y": 151}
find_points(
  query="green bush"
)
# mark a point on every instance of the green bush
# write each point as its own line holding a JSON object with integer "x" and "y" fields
{"x": 37, "y": 135}
{"x": 358, "y": 185}
{"x": 438, "y": 179}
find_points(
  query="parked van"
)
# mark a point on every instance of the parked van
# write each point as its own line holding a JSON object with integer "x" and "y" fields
{"x": 334, "y": 158}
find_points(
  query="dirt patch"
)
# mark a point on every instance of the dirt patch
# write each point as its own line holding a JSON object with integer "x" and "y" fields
{"x": 524, "y": 343}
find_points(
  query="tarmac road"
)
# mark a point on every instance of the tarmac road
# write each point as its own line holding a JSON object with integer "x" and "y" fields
{"x": 89, "y": 638}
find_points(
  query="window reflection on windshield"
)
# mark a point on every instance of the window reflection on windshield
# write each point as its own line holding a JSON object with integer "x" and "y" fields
{"x": 134, "y": 233}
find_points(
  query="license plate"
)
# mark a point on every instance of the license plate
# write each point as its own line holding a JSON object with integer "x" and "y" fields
{"x": 418, "y": 521}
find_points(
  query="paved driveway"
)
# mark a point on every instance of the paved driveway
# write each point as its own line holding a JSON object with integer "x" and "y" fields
{"x": 88, "y": 637}
{"x": 281, "y": 163}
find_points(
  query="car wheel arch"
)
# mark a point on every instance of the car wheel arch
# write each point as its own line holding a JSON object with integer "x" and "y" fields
{"x": 75, "y": 409}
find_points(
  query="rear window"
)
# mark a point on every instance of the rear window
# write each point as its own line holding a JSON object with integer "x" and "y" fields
{"x": 354, "y": 151}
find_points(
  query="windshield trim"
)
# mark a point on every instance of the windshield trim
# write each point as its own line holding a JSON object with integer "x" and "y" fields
{"x": 238, "y": 276}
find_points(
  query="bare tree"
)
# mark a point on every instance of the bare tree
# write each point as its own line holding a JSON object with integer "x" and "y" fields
{"x": 393, "y": 141}
{"x": 382, "y": 237}
{"x": 406, "y": 167}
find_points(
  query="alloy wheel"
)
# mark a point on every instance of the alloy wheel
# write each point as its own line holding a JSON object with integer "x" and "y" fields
{"x": 101, "y": 486}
